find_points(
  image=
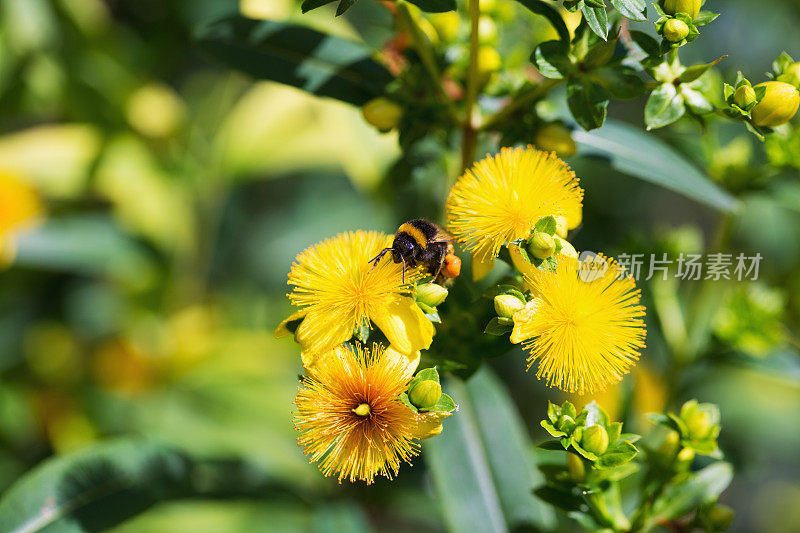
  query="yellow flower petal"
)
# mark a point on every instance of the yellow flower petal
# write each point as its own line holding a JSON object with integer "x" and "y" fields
{"x": 429, "y": 424}
{"x": 482, "y": 263}
{"x": 281, "y": 330}
{"x": 409, "y": 361}
{"x": 318, "y": 332}
{"x": 405, "y": 325}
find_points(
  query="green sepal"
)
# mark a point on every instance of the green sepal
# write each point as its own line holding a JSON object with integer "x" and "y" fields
{"x": 444, "y": 405}
{"x": 551, "y": 429}
{"x": 567, "y": 408}
{"x": 553, "y": 411}
{"x": 704, "y": 17}
{"x": 614, "y": 430}
{"x": 588, "y": 455}
{"x": 498, "y": 326}
{"x": 546, "y": 225}
{"x": 616, "y": 455}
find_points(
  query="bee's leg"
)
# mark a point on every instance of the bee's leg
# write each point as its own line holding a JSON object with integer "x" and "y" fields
{"x": 442, "y": 256}
{"x": 378, "y": 257}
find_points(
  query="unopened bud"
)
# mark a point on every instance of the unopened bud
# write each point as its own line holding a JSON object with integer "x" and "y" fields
{"x": 576, "y": 468}
{"x": 721, "y": 517}
{"x": 382, "y": 113}
{"x": 685, "y": 455}
{"x": 507, "y": 304}
{"x": 489, "y": 60}
{"x": 555, "y": 138}
{"x": 430, "y": 294}
{"x": 595, "y": 439}
{"x": 699, "y": 424}
{"x": 689, "y": 7}
{"x": 566, "y": 424}
{"x": 778, "y": 106}
{"x": 542, "y": 245}
{"x": 744, "y": 97}
{"x": 675, "y": 30}
{"x": 425, "y": 394}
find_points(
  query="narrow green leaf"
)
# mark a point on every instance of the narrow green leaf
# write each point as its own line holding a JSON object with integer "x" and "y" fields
{"x": 704, "y": 17}
{"x": 318, "y": 63}
{"x": 498, "y": 327}
{"x": 547, "y": 11}
{"x": 631, "y": 9}
{"x": 597, "y": 19}
{"x": 694, "y": 72}
{"x": 435, "y": 6}
{"x": 344, "y": 5}
{"x": 481, "y": 464}
{"x": 664, "y": 106}
{"x": 644, "y": 156}
{"x": 99, "y": 487}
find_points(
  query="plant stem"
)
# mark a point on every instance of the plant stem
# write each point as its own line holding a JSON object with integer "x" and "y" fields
{"x": 469, "y": 139}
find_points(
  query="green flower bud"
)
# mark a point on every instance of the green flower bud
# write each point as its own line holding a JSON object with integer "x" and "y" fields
{"x": 675, "y": 30}
{"x": 566, "y": 248}
{"x": 541, "y": 245}
{"x": 721, "y": 517}
{"x": 425, "y": 394}
{"x": 431, "y": 294}
{"x": 778, "y": 106}
{"x": 446, "y": 25}
{"x": 507, "y": 304}
{"x": 669, "y": 446}
{"x": 744, "y": 97}
{"x": 382, "y": 113}
{"x": 595, "y": 439}
{"x": 791, "y": 75}
{"x": 690, "y": 7}
{"x": 576, "y": 468}
{"x": 685, "y": 455}
{"x": 699, "y": 424}
{"x": 555, "y": 138}
{"x": 566, "y": 424}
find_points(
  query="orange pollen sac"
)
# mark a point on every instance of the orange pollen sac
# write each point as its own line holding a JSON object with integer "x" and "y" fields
{"x": 452, "y": 266}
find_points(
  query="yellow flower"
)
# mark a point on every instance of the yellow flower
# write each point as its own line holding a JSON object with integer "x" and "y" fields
{"x": 502, "y": 197}
{"x": 350, "y": 416}
{"x": 584, "y": 335}
{"x": 20, "y": 207}
{"x": 338, "y": 290}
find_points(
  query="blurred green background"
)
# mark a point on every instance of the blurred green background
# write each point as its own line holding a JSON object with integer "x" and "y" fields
{"x": 177, "y": 194}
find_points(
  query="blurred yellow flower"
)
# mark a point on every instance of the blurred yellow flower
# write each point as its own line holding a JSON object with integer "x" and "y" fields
{"x": 584, "y": 335}
{"x": 338, "y": 290}
{"x": 350, "y": 416}
{"x": 502, "y": 196}
{"x": 20, "y": 208}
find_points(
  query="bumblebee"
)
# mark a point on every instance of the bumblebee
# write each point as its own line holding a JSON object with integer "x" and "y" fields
{"x": 422, "y": 243}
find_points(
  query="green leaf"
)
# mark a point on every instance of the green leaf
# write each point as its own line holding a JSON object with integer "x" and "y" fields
{"x": 616, "y": 455}
{"x": 647, "y": 43}
{"x": 700, "y": 488}
{"x": 562, "y": 499}
{"x": 587, "y": 454}
{"x": 481, "y": 465}
{"x": 315, "y": 62}
{"x": 632, "y": 9}
{"x": 427, "y": 374}
{"x": 445, "y": 404}
{"x": 704, "y": 17}
{"x": 622, "y": 82}
{"x": 587, "y": 103}
{"x": 343, "y": 6}
{"x": 567, "y": 408}
{"x": 551, "y": 14}
{"x": 553, "y": 411}
{"x": 551, "y": 445}
{"x": 99, "y": 487}
{"x": 435, "y": 6}
{"x": 664, "y": 106}
{"x": 551, "y": 429}
{"x": 309, "y": 5}
{"x": 552, "y": 60}
{"x": 694, "y": 72}
{"x": 546, "y": 225}
{"x": 695, "y": 101}
{"x": 597, "y": 19}
{"x": 614, "y": 430}
{"x": 644, "y": 156}
{"x": 497, "y": 327}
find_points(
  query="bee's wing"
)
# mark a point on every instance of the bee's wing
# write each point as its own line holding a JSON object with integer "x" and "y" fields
{"x": 442, "y": 235}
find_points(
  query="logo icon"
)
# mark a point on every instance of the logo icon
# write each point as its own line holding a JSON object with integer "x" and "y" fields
{"x": 591, "y": 266}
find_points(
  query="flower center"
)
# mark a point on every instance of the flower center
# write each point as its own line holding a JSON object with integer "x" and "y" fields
{"x": 362, "y": 410}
